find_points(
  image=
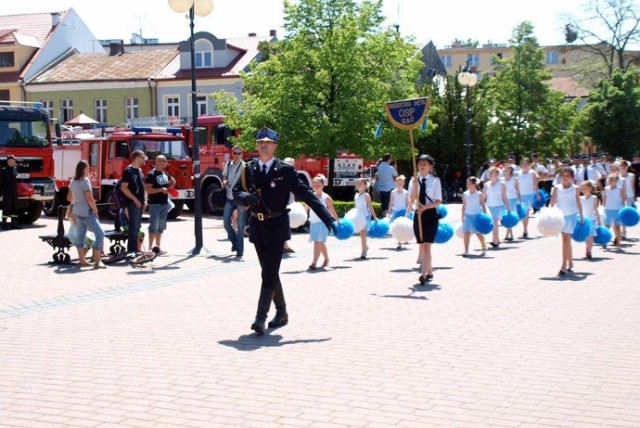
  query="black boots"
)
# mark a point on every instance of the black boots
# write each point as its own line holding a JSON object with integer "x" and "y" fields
{"x": 264, "y": 303}
{"x": 282, "y": 318}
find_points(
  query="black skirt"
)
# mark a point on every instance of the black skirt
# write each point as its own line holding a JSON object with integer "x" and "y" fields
{"x": 429, "y": 220}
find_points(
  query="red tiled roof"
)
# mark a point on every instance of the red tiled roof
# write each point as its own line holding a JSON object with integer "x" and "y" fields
{"x": 569, "y": 87}
{"x": 33, "y": 24}
{"x": 138, "y": 65}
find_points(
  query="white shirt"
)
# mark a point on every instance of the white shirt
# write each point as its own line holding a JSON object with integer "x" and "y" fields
{"x": 231, "y": 173}
{"x": 473, "y": 205}
{"x": 525, "y": 182}
{"x": 614, "y": 198}
{"x": 434, "y": 188}
{"x": 313, "y": 217}
{"x": 494, "y": 194}
{"x": 399, "y": 199}
{"x": 588, "y": 210}
{"x": 566, "y": 199}
{"x": 267, "y": 163}
{"x": 512, "y": 193}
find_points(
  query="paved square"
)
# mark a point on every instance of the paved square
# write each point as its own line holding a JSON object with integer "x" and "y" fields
{"x": 493, "y": 341}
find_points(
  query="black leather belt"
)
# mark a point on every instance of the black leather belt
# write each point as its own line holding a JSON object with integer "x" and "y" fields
{"x": 266, "y": 216}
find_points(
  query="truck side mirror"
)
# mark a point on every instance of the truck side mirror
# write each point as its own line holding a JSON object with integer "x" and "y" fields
{"x": 58, "y": 131}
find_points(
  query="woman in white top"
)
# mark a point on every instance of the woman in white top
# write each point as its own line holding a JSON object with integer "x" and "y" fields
{"x": 472, "y": 205}
{"x": 495, "y": 193}
{"x": 364, "y": 207}
{"x": 528, "y": 186}
{"x": 399, "y": 201}
{"x": 590, "y": 210}
{"x": 513, "y": 193}
{"x": 567, "y": 196}
{"x": 318, "y": 232}
{"x": 614, "y": 198}
{"x": 629, "y": 180}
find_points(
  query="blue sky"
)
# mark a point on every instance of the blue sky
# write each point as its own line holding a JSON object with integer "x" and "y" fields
{"x": 440, "y": 21}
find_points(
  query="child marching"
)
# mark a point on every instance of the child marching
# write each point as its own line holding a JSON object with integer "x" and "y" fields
{"x": 567, "y": 196}
{"x": 590, "y": 210}
{"x": 318, "y": 232}
{"x": 513, "y": 194}
{"x": 528, "y": 186}
{"x": 495, "y": 193}
{"x": 364, "y": 208}
{"x": 472, "y": 205}
{"x": 399, "y": 201}
{"x": 614, "y": 199}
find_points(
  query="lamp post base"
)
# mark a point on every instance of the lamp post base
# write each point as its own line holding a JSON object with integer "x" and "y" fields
{"x": 199, "y": 251}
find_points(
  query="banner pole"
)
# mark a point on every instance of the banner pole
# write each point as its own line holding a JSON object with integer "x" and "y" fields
{"x": 415, "y": 174}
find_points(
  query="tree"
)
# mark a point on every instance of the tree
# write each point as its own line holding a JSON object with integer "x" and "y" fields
{"x": 614, "y": 114}
{"x": 325, "y": 84}
{"x": 608, "y": 29}
{"x": 527, "y": 115}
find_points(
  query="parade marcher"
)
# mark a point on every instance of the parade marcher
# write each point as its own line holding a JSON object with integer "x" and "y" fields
{"x": 495, "y": 193}
{"x": 635, "y": 168}
{"x": 484, "y": 177}
{"x": 231, "y": 175}
{"x": 513, "y": 193}
{"x": 364, "y": 208}
{"x": 472, "y": 205}
{"x": 157, "y": 184}
{"x": 614, "y": 198}
{"x": 629, "y": 185}
{"x": 567, "y": 196}
{"x": 264, "y": 187}
{"x": 528, "y": 186}
{"x": 399, "y": 201}
{"x": 318, "y": 232}
{"x": 542, "y": 172}
{"x": 85, "y": 212}
{"x": 385, "y": 178}
{"x": 292, "y": 199}
{"x": 9, "y": 186}
{"x": 426, "y": 191}
{"x": 132, "y": 186}
{"x": 590, "y": 210}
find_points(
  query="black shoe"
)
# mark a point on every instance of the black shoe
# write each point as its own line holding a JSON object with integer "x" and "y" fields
{"x": 429, "y": 278}
{"x": 280, "y": 320}
{"x": 422, "y": 280}
{"x": 233, "y": 248}
{"x": 562, "y": 273}
{"x": 494, "y": 245}
{"x": 264, "y": 303}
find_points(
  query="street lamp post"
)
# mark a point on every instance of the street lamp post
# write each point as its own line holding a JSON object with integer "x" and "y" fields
{"x": 469, "y": 80}
{"x": 199, "y": 8}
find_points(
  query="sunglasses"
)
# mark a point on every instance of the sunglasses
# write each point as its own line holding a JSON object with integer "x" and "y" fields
{"x": 237, "y": 153}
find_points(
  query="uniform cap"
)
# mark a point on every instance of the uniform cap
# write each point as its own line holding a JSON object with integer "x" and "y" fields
{"x": 426, "y": 158}
{"x": 11, "y": 157}
{"x": 267, "y": 134}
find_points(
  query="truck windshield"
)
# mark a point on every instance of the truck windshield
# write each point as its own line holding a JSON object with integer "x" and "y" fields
{"x": 171, "y": 149}
{"x": 23, "y": 133}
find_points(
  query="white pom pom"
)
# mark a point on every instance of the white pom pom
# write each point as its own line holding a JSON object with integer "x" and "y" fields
{"x": 358, "y": 219}
{"x": 550, "y": 221}
{"x": 458, "y": 229}
{"x": 601, "y": 212}
{"x": 297, "y": 215}
{"x": 402, "y": 229}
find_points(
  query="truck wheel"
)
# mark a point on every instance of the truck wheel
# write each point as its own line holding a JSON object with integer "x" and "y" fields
{"x": 214, "y": 198}
{"x": 191, "y": 205}
{"x": 50, "y": 207}
{"x": 177, "y": 210}
{"x": 32, "y": 214}
{"x": 110, "y": 209}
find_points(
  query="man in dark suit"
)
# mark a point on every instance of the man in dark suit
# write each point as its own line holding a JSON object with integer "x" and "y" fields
{"x": 264, "y": 187}
{"x": 9, "y": 186}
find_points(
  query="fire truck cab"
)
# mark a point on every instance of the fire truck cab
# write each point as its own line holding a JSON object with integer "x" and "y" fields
{"x": 109, "y": 155}
{"x": 26, "y": 134}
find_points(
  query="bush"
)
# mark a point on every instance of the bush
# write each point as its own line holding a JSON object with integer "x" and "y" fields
{"x": 343, "y": 206}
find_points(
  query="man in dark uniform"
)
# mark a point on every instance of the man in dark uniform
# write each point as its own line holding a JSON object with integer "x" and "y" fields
{"x": 9, "y": 194}
{"x": 635, "y": 167}
{"x": 264, "y": 187}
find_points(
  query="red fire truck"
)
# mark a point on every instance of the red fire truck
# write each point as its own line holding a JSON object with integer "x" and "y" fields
{"x": 109, "y": 154}
{"x": 26, "y": 134}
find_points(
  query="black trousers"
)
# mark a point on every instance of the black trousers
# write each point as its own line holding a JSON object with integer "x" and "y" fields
{"x": 270, "y": 256}
{"x": 9, "y": 205}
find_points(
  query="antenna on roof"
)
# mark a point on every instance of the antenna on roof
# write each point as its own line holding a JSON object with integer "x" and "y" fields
{"x": 397, "y": 16}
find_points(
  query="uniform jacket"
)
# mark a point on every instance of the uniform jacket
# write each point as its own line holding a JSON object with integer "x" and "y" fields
{"x": 8, "y": 180}
{"x": 274, "y": 190}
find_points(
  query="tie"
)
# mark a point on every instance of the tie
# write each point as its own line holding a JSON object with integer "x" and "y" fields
{"x": 586, "y": 176}
{"x": 423, "y": 191}
{"x": 264, "y": 170}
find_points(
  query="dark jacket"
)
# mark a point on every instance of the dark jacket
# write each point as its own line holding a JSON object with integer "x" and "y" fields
{"x": 273, "y": 191}
{"x": 8, "y": 180}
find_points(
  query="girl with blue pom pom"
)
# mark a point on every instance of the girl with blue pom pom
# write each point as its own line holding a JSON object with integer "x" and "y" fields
{"x": 364, "y": 207}
{"x": 590, "y": 210}
{"x": 472, "y": 205}
{"x": 614, "y": 197}
{"x": 629, "y": 185}
{"x": 528, "y": 186}
{"x": 567, "y": 195}
{"x": 318, "y": 232}
{"x": 495, "y": 193}
{"x": 513, "y": 193}
{"x": 399, "y": 201}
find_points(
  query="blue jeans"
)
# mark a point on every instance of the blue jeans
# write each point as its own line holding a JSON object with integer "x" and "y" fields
{"x": 237, "y": 239}
{"x": 135, "y": 219}
{"x": 158, "y": 217}
{"x": 89, "y": 222}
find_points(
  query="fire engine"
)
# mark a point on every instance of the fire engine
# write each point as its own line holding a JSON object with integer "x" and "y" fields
{"x": 26, "y": 134}
{"x": 109, "y": 154}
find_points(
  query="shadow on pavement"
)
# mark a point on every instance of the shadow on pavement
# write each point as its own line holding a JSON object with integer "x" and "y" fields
{"x": 570, "y": 276}
{"x": 358, "y": 259}
{"x": 252, "y": 342}
{"x": 226, "y": 259}
{"x": 417, "y": 288}
{"x": 317, "y": 270}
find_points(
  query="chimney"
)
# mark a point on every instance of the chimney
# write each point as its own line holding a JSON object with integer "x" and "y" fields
{"x": 55, "y": 19}
{"x": 252, "y": 34}
{"x": 272, "y": 33}
{"x": 116, "y": 48}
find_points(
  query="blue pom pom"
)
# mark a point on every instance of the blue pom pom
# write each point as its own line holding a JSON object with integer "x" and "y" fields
{"x": 582, "y": 231}
{"x": 445, "y": 232}
{"x": 509, "y": 219}
{"x": 442, "y": 210}
{"x": 629, "y": 216}
{"x": 522, "y": 211}
{"x": 603, "y": 236}
{"x": 345, "y": 229}
{"x": 484, "y": 223}
{"x": 411, "y": 215}
{"x": 378, "y": 228}
{"x": 544, "y": 198}
{"x": 397, "y": 214}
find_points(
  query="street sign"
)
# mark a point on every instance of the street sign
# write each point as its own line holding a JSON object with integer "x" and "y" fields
{"x": 407, "y": 114}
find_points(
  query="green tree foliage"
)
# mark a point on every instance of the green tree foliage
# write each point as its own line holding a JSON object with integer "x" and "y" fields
{"x": 614, "y": 114}
{"x": 527, "y": 115}
{"x": 323, "y": 87}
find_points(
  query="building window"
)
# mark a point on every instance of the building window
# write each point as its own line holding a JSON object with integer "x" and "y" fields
{"x": 101, "y": 111}
{"x": 172, "y": 106}
{"x": 6, "y": 59}
{"x": 48, "y": 106}
{"x": 201, "y": 101}
{"x": 203, "y": 54}
{"x": 473, "y": 60}
{"x": 66, "y": 110}
{"x": 552, "y": 57}
{"x": 446, "y": 61}
{"x": 5, "y": 95}
{"x": 131, "y": 108}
